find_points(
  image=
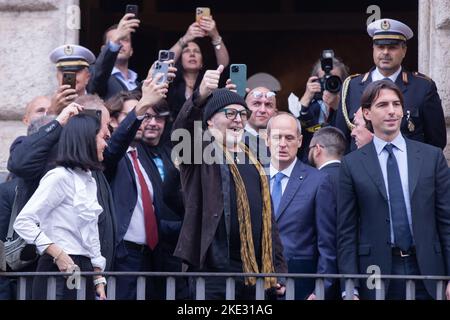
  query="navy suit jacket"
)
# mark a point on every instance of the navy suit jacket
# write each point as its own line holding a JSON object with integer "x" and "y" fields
{"x": 102, "y": 81}
{"x": 363, "y": 213}
{"x": 307, "y": 219}
{"x": 124, "y": 189}
{"x": 332, "y": 170}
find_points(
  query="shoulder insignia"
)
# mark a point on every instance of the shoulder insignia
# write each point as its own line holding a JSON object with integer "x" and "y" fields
{"x": 405, "y": 77}
{"x": 421, "y": 75}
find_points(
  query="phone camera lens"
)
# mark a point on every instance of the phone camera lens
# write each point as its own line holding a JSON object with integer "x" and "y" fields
{"x": 234, "y": 69}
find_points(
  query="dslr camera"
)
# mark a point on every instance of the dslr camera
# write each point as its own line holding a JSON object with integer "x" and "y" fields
{"x": 328, "y": 82}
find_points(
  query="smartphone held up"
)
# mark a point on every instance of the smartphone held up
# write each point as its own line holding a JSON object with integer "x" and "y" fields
{"x": 70, "y": 78}
{"x": 161, "y": 67}
{"x": 132, "y": 8}
{"x": 238, "y": 76}
{"x": 202, "y": 12}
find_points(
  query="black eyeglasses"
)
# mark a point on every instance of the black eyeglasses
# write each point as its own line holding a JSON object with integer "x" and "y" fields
{"x": 231, "y": 114}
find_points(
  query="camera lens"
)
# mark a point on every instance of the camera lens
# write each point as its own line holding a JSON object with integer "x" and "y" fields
{"x": 333, "y": 84}
{"x": 164, "y": 56}
{"x": 234, "y": 69}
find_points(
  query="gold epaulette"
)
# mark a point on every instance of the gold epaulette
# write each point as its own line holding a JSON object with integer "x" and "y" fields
{"x": 364, "y": 79}
{"x": 344, "y": 99}
{"x": 421, "y": 75}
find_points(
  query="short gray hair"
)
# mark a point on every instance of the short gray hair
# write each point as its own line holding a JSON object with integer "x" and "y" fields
{"x": 299, "y": 126}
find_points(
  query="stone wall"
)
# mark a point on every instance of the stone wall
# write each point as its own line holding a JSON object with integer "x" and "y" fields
{"x": 434, "y": 50}
{"x": 30, "y": 30}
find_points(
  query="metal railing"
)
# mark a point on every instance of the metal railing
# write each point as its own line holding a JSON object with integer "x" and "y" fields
{"x": 379, "y": 283}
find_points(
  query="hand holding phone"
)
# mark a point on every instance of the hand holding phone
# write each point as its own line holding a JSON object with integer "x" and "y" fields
{"x": 202, "y": 12}
{"x": 132, "y": 8}
{"x": 160, "y": 67}
{"x": 238, "y": 76}
{"x": 70, "y": 78}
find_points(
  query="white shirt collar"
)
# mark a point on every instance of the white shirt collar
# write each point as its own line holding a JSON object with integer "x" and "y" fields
{"x": 329, "y": 162}
{"x": 399, "y": 142}
{"x": 287, "y": 172}
{"x": 85, "y": 176}
{"x": 132, "y": 76}
{"x": 250, "y": 130}
{"x": 130, "y": 148}
{"x": 376, "y": 75}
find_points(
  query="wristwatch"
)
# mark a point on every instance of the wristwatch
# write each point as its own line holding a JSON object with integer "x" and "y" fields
{"x": 216, "y": 43}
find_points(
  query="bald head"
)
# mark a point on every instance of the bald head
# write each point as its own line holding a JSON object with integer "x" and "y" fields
{"x": 36, "y": 108}
{"x": 263, "y": 104}
{"x": 283, "y": 138}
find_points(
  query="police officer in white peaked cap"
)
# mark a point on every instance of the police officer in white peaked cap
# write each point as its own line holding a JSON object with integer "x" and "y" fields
{"x": 72, "y": 57}
{"x": 423, "y": 118}
{"x": 72, "y": 63}
{"x": 389, "y": 31}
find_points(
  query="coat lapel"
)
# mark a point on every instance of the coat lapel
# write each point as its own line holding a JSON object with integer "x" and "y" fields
{"x": 415, "y": 160}
{"x": 296, "y": 179}
{"x": 372, "y": 165}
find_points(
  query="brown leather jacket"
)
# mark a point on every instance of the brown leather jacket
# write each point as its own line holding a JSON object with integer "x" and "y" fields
{"x": 204, "y": 198}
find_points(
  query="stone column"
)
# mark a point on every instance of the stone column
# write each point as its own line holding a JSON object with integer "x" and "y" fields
{"x": 30, "y": 30}
{"x": 434, "y": 50}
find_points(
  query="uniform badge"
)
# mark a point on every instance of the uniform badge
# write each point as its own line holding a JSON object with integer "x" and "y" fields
{"x": 68, "y": 50}
{"x": 385, "y": 25}
{"x": 411, "y": 126}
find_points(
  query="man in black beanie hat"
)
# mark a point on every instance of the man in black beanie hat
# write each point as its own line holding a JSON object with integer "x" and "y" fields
{"x": 228, "y": 224}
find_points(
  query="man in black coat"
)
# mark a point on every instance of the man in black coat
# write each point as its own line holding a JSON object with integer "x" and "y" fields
{"x": 149, "y": 160}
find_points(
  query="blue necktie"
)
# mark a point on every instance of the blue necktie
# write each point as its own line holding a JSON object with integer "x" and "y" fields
{"x": 277, "y": 191}
{"x": 400, "y": 224}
